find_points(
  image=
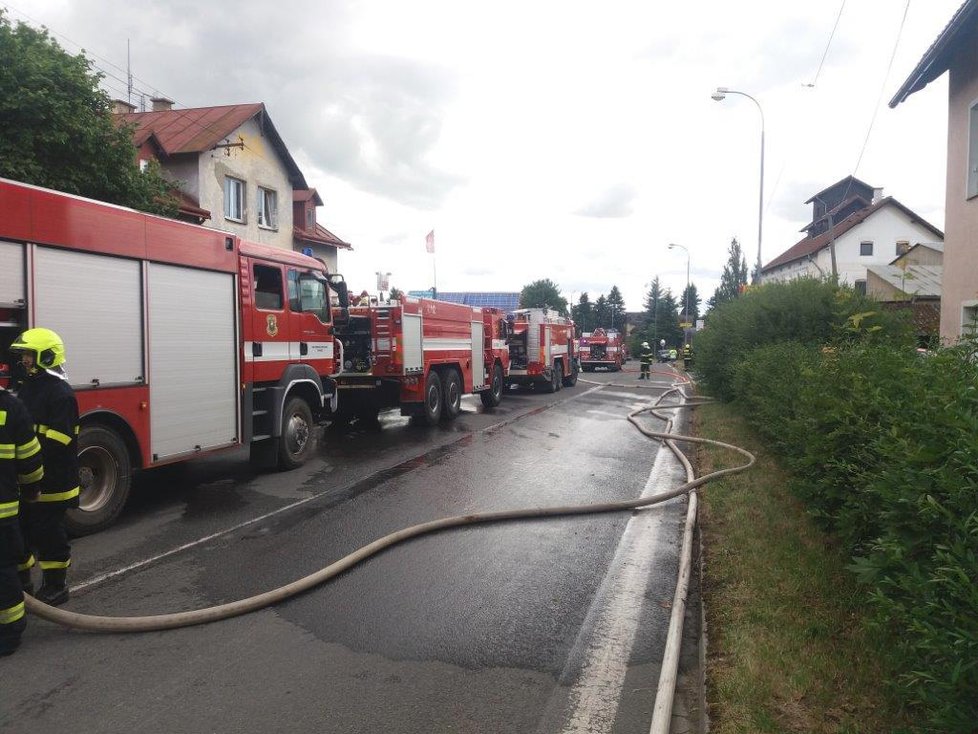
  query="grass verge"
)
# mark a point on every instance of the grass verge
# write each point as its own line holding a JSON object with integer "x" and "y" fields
{"x": 788, "y": 649}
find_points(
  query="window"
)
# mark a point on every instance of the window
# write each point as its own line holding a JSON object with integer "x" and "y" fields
{"x": 973, "y": 151}
{"x": 310, "y": 219}
{"x": 267, "y": 208}
{"x": 865, "y": 248}
{"x": 268, "y": 288}
{"x": 234, "y": 199}
{"x": 307, "y": 294}
{"x": 143, "y": 165}
{"x": 902, "y": 247}
{"x": 860, "y": 287}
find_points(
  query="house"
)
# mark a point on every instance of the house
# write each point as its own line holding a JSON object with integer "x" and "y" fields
{"x": 912, "y": 282}
{"x": 234, "y": 172}
{"x": 853, "y": 227}
{"x": 956, "y": 51}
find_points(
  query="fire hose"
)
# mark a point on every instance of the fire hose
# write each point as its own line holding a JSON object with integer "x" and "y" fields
{"x": 97, "y": 623}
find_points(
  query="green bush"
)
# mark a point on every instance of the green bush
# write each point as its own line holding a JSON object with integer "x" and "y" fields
{"x": 808, "y": 311}
{"x": 883, "y": 444}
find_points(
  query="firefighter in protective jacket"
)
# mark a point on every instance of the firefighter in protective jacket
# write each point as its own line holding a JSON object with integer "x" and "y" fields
{"x": 51, "y": 403}
{"x": 646, "y": 358}
{"x": 21, "y": 472}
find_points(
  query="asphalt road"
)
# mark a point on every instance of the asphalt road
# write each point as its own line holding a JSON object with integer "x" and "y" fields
{"x": 550, "y": 625}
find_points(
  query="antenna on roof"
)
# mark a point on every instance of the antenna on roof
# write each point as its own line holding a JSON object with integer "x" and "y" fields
{"x": 128, "y": 74}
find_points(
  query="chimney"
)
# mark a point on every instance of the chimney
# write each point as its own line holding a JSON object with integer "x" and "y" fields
{"x": 120, "y": 107}
{"x": 161, "y": 104}
{"x": 877, "y": 195}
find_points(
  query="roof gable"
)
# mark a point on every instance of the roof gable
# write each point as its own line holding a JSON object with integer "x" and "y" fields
{"x": 809, "y": 246}
{"x": 200, "y": 129}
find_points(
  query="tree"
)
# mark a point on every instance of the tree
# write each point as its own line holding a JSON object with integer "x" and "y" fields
{"x": 395, "y": 295}
{"x": 733, "y": 277}
{"x": 583, "y": 314}
{"x": 601, "y": 312}
{"x": 616, "y": 309}
{"x": 691, "y": 296}
{"x": 662, "y": 317}
{"x": 543, "y": 294}
{"x": 56, "y": 127}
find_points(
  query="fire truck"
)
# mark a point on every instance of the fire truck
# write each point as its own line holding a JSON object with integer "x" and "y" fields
{"x": 181, "y": 340}
{"x": 542, "y": 349}
{"x": 600, "y": 348}
{"x": 421, "y": 355}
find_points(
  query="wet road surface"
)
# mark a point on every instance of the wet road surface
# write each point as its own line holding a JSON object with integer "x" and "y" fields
{"x": 533, "y": 626}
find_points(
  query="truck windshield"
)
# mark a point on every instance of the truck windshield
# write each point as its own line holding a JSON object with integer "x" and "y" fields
{"x": 307, "y": 294}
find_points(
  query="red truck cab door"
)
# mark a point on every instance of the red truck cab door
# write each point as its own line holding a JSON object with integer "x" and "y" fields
{"x": 310, "y": 321}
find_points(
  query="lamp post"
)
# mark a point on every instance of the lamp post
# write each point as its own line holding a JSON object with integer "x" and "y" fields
{"x": 673, "y": 245}
{"x": 719, "y": 95}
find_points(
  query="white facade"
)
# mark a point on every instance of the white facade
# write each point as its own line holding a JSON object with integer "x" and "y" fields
{"x": 884, "y": 228}
{"x": 257, "y": 164}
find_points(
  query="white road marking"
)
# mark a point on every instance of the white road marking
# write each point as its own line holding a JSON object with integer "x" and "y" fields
{"x": 612, "y": 622}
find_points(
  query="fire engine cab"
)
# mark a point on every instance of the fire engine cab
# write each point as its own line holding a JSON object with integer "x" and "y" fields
{"x": 600, "y": 348}
{"x": 181, "y": 340}
{"x": 421, "y": 355}
{"x": 542, "y": 349}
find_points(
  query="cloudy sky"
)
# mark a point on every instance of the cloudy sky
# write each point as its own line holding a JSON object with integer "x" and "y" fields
{"x": 564, "y": 139}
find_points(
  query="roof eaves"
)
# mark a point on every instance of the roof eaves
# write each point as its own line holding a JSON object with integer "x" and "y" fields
{"x": 935, "y": 61}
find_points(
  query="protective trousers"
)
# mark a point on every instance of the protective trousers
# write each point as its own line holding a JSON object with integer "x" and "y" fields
{"x": 43, "y": 527}
{"x": 12, "y": 619}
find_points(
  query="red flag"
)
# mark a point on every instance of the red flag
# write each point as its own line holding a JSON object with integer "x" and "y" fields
{"x": 429, "y": 242}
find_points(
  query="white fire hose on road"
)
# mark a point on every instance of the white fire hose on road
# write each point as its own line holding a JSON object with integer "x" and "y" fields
{"x": 97, "y": 623}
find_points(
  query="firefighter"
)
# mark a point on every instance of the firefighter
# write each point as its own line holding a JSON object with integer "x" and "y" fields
{"x": 21, "y": 472}
{"x": 646, "y": 359}
{"x": 51, "y": 403}
{"x": 364, "y": 299}
{"x": 687, "y": 354}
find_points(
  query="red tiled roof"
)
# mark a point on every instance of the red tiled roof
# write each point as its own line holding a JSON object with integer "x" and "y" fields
{"x": 306, "y": 195}
{"x": 811, "y": 245}
{"x": 188, "y": 205}
{"x": 199, "y": 129}
{"x": 190, "y": 130}
{"x": 321, "y": 236}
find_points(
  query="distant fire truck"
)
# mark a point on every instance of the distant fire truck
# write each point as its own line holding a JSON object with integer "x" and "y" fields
{"x": 542, "y": 349}
{"x": 600, "y": 348}
{"x": 181, "y": 340}
{"x": 421, "y": 355}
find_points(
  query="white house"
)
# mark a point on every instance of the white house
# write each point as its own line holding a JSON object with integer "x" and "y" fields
{"x": 234, "y": 170}
{"x": 864, "y": 229}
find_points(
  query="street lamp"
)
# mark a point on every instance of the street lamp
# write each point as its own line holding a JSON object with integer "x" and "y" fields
{"x": 719, "y": 95}
{"x": 672, "y": 246}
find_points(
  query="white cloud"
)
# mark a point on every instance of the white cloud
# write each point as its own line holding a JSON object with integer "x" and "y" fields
{"x": 571, "y": 140}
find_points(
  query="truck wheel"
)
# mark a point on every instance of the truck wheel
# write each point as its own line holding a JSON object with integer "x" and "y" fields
{"x": 551, "y": 384}
{"x": 558, "y": 375}
{"x": 571, "y": 379}
{"x": 494, "y": 395}
{"x": 298, "y": 440}
{"x": 104, "y": 476}
{"x": 452, "y": 393}
{"x": 431, "y": 408}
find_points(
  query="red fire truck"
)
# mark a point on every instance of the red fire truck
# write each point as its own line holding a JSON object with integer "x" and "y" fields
{"x": 600, "y": 348}
{"x": 181, "y": 340}
{"x": 422, "y": 355}
{"x": 542, "y": 349}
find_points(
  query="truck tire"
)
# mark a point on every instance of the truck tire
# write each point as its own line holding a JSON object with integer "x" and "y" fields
{"x": 551, "y": 385}
{"x": 298, "y": 440}
{"x": 452, "y": 395}
{"x": 571, "y": 379}
{"x": 494, "y": 395}
{"x": 431, "y": 407}
{"x": 558, "y": 375}
{"x": 104, "y": 476}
